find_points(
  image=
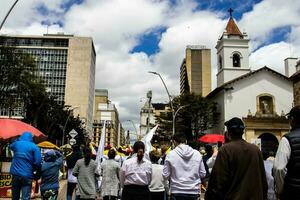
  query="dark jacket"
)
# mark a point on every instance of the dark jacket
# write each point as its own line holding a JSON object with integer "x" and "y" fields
{"x": 50, "y": 170}
{"x": 291, "y": 188}
{"x": 238, "y": 173}
{"x": 72, "y": 159}
{"x": 27, "y": 156}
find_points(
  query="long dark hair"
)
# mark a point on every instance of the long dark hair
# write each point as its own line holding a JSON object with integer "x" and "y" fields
{"x": 87, "y": 154}
{"x": 111, "y": 154}
{"x": 139, "y": 145}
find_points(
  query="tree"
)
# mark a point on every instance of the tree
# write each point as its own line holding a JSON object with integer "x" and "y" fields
{"x": 17, "y": 78}
{"x": 21, "y": 87}
{"x": 198, "y": 115}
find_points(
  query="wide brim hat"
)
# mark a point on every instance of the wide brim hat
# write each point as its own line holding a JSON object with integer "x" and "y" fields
{"x": 235, "y": 123}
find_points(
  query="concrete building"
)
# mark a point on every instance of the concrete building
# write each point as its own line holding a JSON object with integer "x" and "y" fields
{"x": 195, "y": 71}
{"x": 261, "y": 98}
{"x": 67, "y": 65}
{"x": 106, "y": 112}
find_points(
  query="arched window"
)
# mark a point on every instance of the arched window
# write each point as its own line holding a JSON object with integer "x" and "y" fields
{"x": 266, "y": 105}
{"x": 220, "y": 62}
{"x": 236, "y": 60}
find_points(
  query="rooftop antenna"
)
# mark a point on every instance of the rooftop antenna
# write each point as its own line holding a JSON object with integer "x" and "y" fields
{"x": 290, "y": 45}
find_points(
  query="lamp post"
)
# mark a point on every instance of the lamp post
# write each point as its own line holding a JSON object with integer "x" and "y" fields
{"x": 174, "y": 119}
{"x": 3, "y": 21}
{"x": 136, "y": 133}
{"x": 64, "y": 129}
{"x": 171, "y": 102}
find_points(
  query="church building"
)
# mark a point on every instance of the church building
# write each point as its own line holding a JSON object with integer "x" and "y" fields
{"x": 261, "y": 97}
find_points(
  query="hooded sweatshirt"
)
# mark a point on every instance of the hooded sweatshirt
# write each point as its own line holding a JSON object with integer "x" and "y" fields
{"x": 50, "y": 170}
{"x": 27, "y": 156}
{"x": 184, "y": 167}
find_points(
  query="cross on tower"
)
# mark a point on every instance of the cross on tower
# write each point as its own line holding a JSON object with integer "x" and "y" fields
{"x": 230, "y": 11}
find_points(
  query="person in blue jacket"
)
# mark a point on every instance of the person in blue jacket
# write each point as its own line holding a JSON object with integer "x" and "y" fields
{"x": 26, "y": 159}
{"x": 53, "y": 160}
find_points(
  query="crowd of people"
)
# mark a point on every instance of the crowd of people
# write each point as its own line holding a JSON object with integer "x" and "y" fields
{"x": 236, "y": 170}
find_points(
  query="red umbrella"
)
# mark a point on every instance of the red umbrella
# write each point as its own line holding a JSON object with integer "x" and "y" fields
{"x": 212, "y": 138}
{"x": 11, "y": 128}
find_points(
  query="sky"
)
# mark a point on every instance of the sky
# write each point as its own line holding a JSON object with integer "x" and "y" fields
{"x": 133, "y": 37}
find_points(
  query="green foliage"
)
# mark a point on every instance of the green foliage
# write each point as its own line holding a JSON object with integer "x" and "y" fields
{"x": 197, "y": 115}
{"x": 17, "y": 75}
{"x": 20, "y": 86}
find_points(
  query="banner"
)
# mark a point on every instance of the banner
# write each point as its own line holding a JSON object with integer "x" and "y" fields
{"x": 5, "y": 185}
{"x": 100, "y": 152}
{"x": 147, "y": 140}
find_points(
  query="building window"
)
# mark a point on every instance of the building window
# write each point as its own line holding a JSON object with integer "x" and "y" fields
{"x": 220, "y": 62}
{"x": 236, "y": 60}
{"x": 266, "y": 105}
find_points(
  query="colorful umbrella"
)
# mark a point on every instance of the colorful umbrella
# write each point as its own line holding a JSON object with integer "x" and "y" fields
{"x": 212, "y": 138}
{"x": 47, "y": 145}
{"x": 11, "y": 128}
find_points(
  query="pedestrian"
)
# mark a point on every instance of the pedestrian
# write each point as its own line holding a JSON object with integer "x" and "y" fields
{"x": 164, "y": 149}
{"x": 270, "y": 180}
{"x": 71, "y": 161}
{"x": 135, "y": 175}
{"x": 238, "y": 173}
{"x": 209, "y": 153}
{"x": 184, "y": 168}
{"x": 26, "y": 160}
{"x": 86, "y": 172}
{"x": 110, "y": 177}
{"x": 287, "y": 160}
{"x": 210, "y": 162}
{"x": 158, "y": 185}
{"x": 50, "y": 173}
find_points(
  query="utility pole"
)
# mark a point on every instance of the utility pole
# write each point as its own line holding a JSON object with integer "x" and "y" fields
{"x": 149, "y": 96}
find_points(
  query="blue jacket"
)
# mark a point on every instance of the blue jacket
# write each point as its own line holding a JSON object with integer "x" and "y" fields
{"x": 50, "y": 170}
{"x": 27, "y": 156}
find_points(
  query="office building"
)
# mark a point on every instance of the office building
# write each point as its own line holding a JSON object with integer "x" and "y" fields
{"x": 66, "y": 64}
{"x": 195, "y": 71}
{"x": 106, "y": 112}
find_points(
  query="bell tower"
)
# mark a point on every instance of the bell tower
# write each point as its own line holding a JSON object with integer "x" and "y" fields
{"x": 232, "y": 53}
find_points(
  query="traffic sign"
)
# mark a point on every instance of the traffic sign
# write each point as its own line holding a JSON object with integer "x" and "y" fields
{"x": 72, "y": 141}
{"x": 73, "y": 133}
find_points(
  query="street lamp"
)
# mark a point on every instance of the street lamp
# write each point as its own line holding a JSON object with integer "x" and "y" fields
{"x": 64, "y": 129}
{"x": 136, "y": 133}
{"x": 181, "y": 107}
{"x": 171, "y": 103}
{"x": 3, "y": 21}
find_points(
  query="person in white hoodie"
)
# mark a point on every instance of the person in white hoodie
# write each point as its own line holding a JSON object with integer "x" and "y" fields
{"x": 185, "y": 169}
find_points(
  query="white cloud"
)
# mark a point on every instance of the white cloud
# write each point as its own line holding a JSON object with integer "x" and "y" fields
{"x": 116, "y": 26}
{"x": 271, "y": 56}
{"x": 267, "y": 16}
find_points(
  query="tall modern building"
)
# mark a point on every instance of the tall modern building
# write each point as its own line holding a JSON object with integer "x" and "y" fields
{"x": 106, "y": 112}
{"x": 195, "y": 71}
{"x": 67, "y": 65}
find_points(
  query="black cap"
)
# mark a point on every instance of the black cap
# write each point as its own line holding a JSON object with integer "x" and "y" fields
{"x": 295, "y": 112}
{"x": 235, "y": 123}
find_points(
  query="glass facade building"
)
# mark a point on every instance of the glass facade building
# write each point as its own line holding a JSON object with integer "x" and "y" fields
{"x": 56, "y": 57}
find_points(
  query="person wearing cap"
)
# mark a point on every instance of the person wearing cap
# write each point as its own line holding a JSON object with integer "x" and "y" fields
{"x": 239, "y": 171}
{"x": 287, "y": 160}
